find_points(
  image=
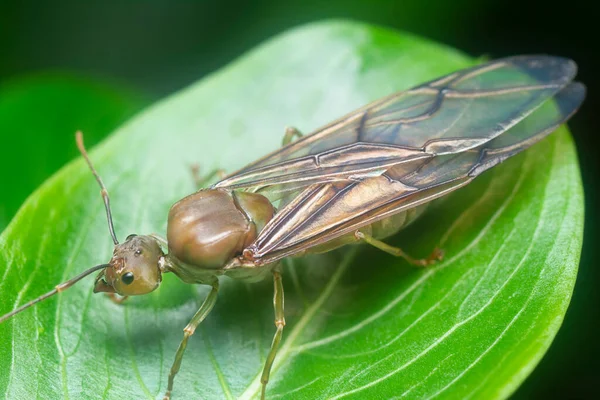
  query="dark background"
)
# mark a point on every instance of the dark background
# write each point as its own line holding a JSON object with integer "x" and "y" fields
{"x": 158, "y": 47}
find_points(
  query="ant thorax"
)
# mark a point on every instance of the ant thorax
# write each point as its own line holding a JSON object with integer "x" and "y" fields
{"x": 209, "y": 228}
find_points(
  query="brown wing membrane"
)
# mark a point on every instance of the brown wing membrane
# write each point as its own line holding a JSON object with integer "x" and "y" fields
{"x": 322, "y": 212}
{"x": 449, "y": 115}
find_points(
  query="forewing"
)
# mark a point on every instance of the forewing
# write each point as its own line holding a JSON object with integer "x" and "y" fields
{"x": 323, "y": 212}
{"x": 449, "y": 115}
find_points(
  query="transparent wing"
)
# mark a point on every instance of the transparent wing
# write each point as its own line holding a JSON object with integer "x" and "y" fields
{"x": 449, "y": 115}
{"x": 323, "y": 212}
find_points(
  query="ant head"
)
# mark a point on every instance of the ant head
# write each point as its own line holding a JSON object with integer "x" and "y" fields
{"x": 133, "y": 269}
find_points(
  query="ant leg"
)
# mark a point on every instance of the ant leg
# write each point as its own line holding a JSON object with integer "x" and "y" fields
{"x": 115, "y": 298}
{"x": 279, "y": 323}
{"x": 435, "y": 256}
{"x": 290, "y": 134}
{"x": 203, "y": 181}
{"x": 188, "y": 331}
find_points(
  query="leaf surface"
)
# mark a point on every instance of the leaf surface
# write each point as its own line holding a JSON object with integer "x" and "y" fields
{"x": 39, "y": 115}
{"x": 360, "y": 323}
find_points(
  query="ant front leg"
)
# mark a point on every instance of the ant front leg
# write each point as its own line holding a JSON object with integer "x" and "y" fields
{"x": 116, "y": 298}
{"x": 203, "y": 181}
{"x": 290, "y": 134}
{"x": 188, "y": 331}
{"x": 279, "y": 324}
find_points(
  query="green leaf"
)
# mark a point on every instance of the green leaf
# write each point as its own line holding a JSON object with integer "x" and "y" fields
{"x": 360, "y": 323}
{"x": 39, "y": 115}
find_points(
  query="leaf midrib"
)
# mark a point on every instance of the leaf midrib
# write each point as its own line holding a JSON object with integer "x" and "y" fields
{"x": 254, "y": 388}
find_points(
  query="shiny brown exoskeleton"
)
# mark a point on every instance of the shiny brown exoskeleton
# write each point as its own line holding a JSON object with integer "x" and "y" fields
{"x": 205, "y": 231}
{"x": 357, "y": 180}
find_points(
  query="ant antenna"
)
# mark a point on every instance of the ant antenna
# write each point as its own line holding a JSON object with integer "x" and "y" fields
{"x": 57, "y": 289}
{"x": 103, "y": 192}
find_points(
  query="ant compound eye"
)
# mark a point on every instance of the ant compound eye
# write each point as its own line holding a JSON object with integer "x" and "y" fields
{"x": 127, "y": 278}
{"x": 130, "y": 237}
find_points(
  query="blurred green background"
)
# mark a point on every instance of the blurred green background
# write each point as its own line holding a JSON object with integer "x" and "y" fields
{"x": 109, "y": 59}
